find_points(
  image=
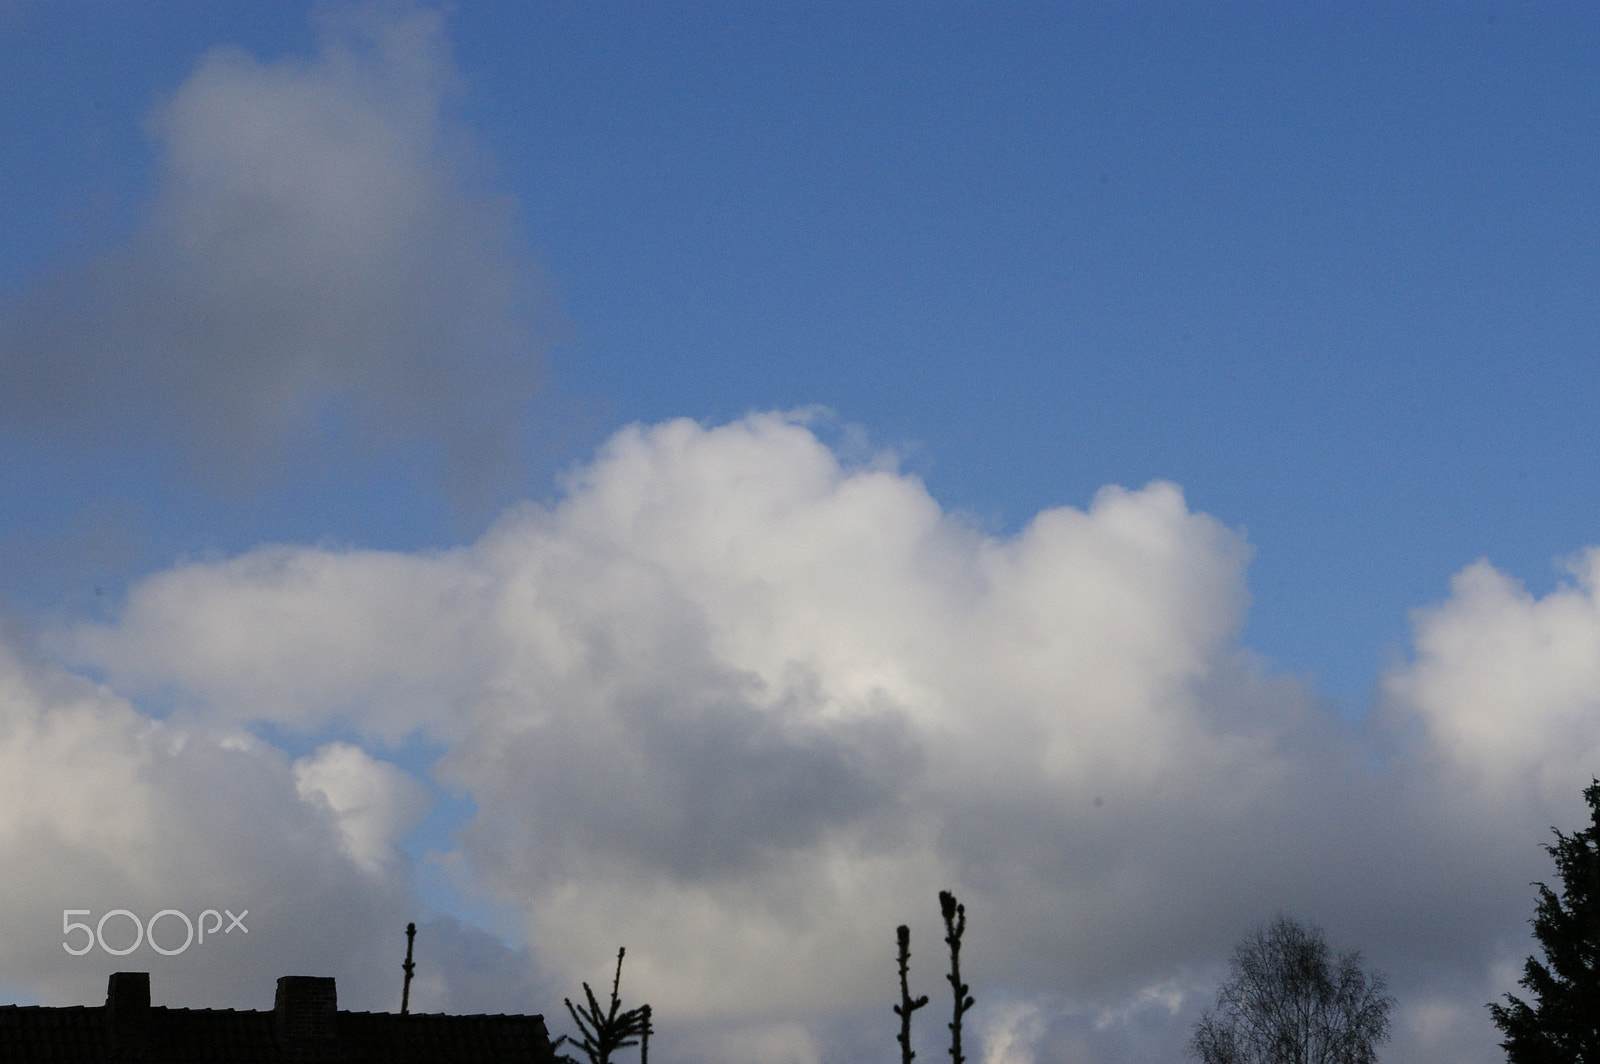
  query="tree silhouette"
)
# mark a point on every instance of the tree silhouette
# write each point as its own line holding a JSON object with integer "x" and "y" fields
{"x": 1563, "y": 1022}
{"x": 606, "y": 1030}
{"x": 1288, "y": 1001}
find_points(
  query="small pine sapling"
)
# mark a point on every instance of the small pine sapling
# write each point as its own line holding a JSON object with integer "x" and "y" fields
{"x": 605, "y": 1031}
{"x": 955, "y": 925}
{"x": 906, "y": 1006}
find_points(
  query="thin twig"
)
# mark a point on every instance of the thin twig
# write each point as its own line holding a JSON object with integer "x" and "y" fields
{"x": 906, "y": 1006}
{"x": 955, "y": 924}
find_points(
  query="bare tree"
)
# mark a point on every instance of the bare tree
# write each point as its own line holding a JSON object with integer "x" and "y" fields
{"x": 1289, "y": 1001}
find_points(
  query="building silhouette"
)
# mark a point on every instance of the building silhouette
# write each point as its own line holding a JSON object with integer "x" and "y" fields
{"x": 305, "y": 1026}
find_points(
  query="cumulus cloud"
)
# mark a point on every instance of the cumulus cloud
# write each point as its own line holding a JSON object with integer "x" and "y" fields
{"x": 103, "y": 807}
{"x": 744, "y": 707}
{"x": 321, "y": 259}
{"x": 1507, "y": 686}
{"x": 740, "y": 705}
{"x": 374, "y": 803}
{"x": 1495, "y": 717}
{"x": 304, "y": 637}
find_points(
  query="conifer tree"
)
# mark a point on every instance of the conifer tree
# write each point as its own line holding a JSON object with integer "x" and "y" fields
{"x": 1562, "y": 1023}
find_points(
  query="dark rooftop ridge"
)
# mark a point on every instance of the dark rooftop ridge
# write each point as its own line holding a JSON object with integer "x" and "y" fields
{"x": 304, "y": 1026}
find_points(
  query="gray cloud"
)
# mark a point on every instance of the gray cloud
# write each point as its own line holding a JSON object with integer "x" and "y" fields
{"x": 322, "y": 261}
{"x": 740, "y": 782}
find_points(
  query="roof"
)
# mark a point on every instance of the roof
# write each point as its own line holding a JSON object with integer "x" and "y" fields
{"x": 303, "y": 1027}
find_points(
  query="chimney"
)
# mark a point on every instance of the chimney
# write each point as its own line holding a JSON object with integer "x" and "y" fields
{"x": 128, "y": 999}
{"x": 128, "y": 1015}
{"x": 304, "y": 1009}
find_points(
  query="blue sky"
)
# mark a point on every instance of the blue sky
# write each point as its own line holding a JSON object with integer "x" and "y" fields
{"x": 1325, "y": 269}
{"x": 300, "y": 289}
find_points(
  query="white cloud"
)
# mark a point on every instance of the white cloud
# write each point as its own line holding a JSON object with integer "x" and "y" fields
{"x": 374, "y": 803}
{"x": 1508, "y": 686}
{"x": 320, "y": 248}
{"x": 300, "y": 637}
{"x": 744, "y": 709}
{"x": 741, "y": 706}
{"x": 104, "y": 808}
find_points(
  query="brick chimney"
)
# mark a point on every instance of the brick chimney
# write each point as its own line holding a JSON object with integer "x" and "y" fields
{"x": 304, "y": 1009}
